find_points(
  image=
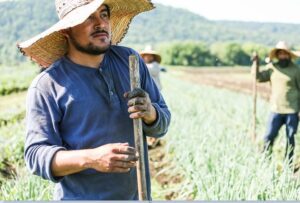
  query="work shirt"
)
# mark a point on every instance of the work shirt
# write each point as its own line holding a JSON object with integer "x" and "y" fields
{"x": 285, "y": 87}
{"x": 154, "y": 70}
{"x": 72, "y": 107}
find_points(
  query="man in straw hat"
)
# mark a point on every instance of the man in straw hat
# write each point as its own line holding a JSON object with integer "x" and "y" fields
{"x": 79, "y": 113}
{"x": 284, "y": 77}
{"x": 152, "y": 60}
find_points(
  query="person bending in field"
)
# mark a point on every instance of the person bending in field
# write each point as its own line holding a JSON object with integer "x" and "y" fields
{"x": 284, "y": 77}
{"x": 79, "y": 111}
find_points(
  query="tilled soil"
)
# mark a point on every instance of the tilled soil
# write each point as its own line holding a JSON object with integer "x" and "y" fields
{"x": 158, "y": 164}
{"x": 239, "y": 80}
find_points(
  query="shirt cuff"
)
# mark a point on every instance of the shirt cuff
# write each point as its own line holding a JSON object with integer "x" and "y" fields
{"x": 154, "y": 127}
{"x": 50, "y": 156}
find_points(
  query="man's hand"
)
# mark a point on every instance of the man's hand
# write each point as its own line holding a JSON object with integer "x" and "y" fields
{"x": 140, "y": 106}
{"x": 255, "y": 63}
{"x": 112, "y": 158}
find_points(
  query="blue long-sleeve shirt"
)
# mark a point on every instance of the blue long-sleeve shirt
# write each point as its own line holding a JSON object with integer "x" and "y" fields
{"x": 72, "y": 107}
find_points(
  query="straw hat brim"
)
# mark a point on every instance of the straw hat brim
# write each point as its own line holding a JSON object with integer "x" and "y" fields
{"x": 272, "y": 54}
{"x": 297, "y": 53}
{"x": 50, "y": 45}
{"x": 157, "y": 57}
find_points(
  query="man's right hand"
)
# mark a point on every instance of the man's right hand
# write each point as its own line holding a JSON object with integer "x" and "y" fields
{"x": 255, "y": 63}
{"x": 112, "y": 158}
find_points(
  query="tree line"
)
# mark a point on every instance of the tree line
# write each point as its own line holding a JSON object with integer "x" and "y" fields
{"x": 226, "y": 43}
{"x": 194, "y": 53}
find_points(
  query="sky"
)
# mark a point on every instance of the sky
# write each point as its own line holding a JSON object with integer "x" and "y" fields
{"x": 283, "y": 11}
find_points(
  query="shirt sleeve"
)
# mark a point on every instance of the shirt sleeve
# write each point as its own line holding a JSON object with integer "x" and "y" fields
{"x": 42, "y": 133}
{"x": 298, "y": 83}
{"x": 264, "y": 75}
{"x": 298, "y": 79}
{"x": 160, "y": 126}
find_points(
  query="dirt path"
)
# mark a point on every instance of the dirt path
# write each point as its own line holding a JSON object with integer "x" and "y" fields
{"x": 158, "y": 166}
{"x": 238, "y": 79}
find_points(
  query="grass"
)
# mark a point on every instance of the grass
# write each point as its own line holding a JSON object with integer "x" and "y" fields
{"x": 213, "y": 149}
{"x": 26, "y": 187}
{"x": 12, "y": 139}
{"x": 19, "y": 80}
{"x": 16, "y": 110}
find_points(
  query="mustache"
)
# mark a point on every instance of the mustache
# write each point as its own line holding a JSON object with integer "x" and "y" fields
{"x": 100, "y": 32}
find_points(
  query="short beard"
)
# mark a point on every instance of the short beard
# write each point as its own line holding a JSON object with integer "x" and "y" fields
{"x": 283, "y": 63}
{"x": 90, "y": 48}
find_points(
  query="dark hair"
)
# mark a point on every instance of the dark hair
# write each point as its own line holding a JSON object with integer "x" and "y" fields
{"x": 108, "y": 9}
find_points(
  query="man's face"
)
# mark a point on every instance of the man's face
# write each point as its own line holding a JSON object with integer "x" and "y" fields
{"x": 93, "y": 36}
{"x": 282, "y": 54}
{"x": 148, "y": 58}
{"x": 284, "y": 58}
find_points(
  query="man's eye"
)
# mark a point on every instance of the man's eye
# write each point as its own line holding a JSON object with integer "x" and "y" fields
{"x": 104, "y": 15}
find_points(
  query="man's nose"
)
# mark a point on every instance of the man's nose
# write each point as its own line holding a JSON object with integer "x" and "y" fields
{"x": 99, "y": 23}
{"x": 286, "y": 56}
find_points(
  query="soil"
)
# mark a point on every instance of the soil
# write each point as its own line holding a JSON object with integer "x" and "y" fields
{"x": 7, "y": 171}
{"x": 239, "y": 80}
{"x": 158, "y": 162}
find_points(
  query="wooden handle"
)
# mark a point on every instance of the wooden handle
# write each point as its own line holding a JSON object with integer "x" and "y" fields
{"x": 255, "y": 65}
{"x": 138, "y": 131}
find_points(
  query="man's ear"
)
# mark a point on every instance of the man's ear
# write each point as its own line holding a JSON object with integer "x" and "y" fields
{"x": 65, "y": 32}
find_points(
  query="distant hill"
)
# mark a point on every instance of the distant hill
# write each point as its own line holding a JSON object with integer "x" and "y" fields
{"x": 23, "y": 19}
{"x": 173, "y": 24}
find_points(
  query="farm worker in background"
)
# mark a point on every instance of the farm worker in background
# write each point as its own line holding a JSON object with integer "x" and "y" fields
{"x": 152, "y": 60}
{"x": 284, "y": 77}
{"x": 79, "y": 110}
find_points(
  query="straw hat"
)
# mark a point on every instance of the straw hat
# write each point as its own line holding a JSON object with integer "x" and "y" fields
{"x": 297, "y": 53}
{"x": 148, "y": 50}
{"x": 281, "y": 45}
{"x": 51, "y": 45}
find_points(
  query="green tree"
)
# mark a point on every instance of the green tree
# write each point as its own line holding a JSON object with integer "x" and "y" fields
{"x": 186, "y": 54}
{"x": 230, "y": 54}
{"x": 262, "y": 50}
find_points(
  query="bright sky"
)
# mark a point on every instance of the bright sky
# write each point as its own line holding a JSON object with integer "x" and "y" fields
{"x": 286, "y": 11}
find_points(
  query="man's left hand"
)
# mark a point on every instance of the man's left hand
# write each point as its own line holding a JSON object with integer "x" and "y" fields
{"x": 140, "y": 106}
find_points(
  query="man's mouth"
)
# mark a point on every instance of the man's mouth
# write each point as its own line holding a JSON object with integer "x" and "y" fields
{"x": 100, "y": 34}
